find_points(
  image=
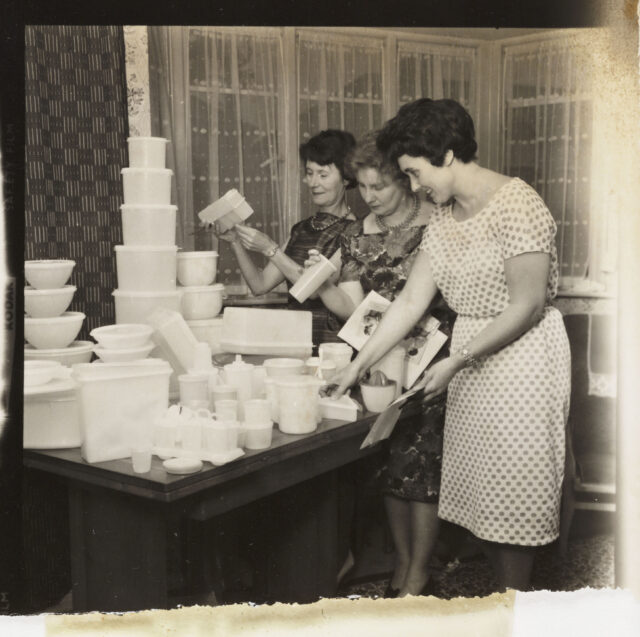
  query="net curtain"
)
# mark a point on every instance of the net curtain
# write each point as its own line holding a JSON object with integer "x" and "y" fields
{"x": 76, "y": 131}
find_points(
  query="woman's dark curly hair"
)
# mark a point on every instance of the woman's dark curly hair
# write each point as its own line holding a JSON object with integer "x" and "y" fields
{"x": 429, "y": 128}
{"x": 330, "y": 147}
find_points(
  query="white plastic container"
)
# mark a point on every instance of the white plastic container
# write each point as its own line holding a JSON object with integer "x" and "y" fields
{"x": 208, "y": 331}
{"x": 193, "y": 387}
{"x": 124, "y": 355}
{"x": 327, "y": 371}
{"x": 226, "y": 409}
{"x": 146, "y": 268}
{"x": 147, "y": 185}
{"x": 116, "y": 401}
{"x": 123, "y": 335}
{"x": 239, "y": 375}
{"x": 202, "y": 302}
{"x": 298, "y": 406}
{"x": 220, "y": 437}
{"x": 47, "y": 303}
{"x": 284, "y": 366}
{"x": 197, "y": 268}
{"x": 174, "y": 339}
{"x": 76, "y": 352}
{"x": 311, "y": 279}
{"x": 48, "y": 274}
{"x": 137, "y": 307}
{"x": 271, "y": 394}
{"x": 267, "y": 332}
{"x": 377, "y": 398}
{"x": 257, "y": 411}
{"x": 150, "y": 225}
{"x": 340, "y": 353}
{"x": 54, "y": 332}
{"x": 147, "y": 152}
{"x": 258, "y": 436}
{"x": 393, "y": 367}
{"x": 40, "y": 372}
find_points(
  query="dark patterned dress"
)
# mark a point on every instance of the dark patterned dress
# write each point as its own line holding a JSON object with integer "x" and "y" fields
{"x": 326, "y": 239}
{"x": 382, "y": 262}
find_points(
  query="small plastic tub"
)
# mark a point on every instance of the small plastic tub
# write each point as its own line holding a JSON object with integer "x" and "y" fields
{"x": 48, "y": 274}
{"x": 147, "y": 152}
{"x": 257, "y": 411}
{"x": 145, "y": 268}
{"x": 136, "y": 307}
{"x": 197, "y": 268}
{"x": 284, "y": 366}
{"x": 194, "y": 387}
{"x": 258, "y": 436}
{"x": 328, "y": 367}
{"x": 152, "y": 225}
{"x": 123, "y": 335}
{"x": 339, "y": 352}
{"x": 220, "y": 437}
{"x": 48, "y": 303}
{"x": 147, "y": 185}
{"x": 202, "y": 302}
{"x": 111, "y": 355}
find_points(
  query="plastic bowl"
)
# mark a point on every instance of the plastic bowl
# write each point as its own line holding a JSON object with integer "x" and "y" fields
{"x": 48, "y": 303}
{"x": 124, "y": 355}
{"x": 77, "y": 352}
{"x": 122, "y": 336}
{"x": 39, "y": 372}
{"x": 53, "y": 332}
{"x": 197, "y": 268}
{"x": 202, "y": 302}
{"x": 284, "y": 366}
{"x": 48, "y": 274}
{"x": 377, "y": 398}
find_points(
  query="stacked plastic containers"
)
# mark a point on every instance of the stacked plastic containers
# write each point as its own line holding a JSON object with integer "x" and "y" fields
{"x": 146, "y": 262}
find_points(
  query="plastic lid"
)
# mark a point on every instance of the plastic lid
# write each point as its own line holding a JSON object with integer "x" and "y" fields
{"x": 182, "y": 466}
{"x": 146, "y": 248}
{"x": 142, "y": 137}
{"x": 146, "y": 170}
{"x": 215, "y": 287}
{"x": 148, "y": 205}
{"x": 197, "y": 254}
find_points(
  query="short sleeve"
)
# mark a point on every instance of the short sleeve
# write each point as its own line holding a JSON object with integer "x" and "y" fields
{"x": 524, "y": 223}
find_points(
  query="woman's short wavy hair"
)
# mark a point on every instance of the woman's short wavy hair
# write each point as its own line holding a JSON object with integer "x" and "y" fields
{"x": 366, "y": 155}
{"x": 429, "y": 128}
{"x": 330, "y": 146}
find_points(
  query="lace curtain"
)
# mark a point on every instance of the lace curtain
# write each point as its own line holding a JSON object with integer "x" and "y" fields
{"x": 548, "y": 140}
{"x": 218, "y": 95}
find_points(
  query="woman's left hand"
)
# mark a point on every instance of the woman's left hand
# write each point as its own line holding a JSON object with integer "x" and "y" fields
{"x": 437, "y": 377}
{"x": 253, "y": 239}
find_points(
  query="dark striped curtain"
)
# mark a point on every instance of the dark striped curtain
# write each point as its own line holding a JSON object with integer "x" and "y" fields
{"x": 76, "y": 130}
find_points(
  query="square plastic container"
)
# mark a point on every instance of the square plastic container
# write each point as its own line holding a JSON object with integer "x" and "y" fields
{"x": 149, "y": 225}
{"x": 268, "y": 332}
{"x": 51, "y": 418}
{"x": 136, "y": 307}
{"x": 174, "y": 339}
{"x": 311, "y": 279}
{"x": 147, "y": 152}
{"x": 146, "y": 268}
{"x": 208, "y": 331}
{"x": 117, "y": 401}
{"x": 147, "y": 185}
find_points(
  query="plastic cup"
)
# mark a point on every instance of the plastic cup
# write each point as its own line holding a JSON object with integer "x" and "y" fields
{"x": 223, "y": 392}
{"x": 340, "y": 353}
{"x": 191, "y": 434}
{"x": 215, "y": 437}
{"x": 141, "y": 459}
{"x": 328, "y": 368}
{"x": 259, "y": 435}
{"x": 194, "y": 387}
{"x": 311, "y": 279}
{"x": 257, "y": 411}
{"x": 226, "y": 409}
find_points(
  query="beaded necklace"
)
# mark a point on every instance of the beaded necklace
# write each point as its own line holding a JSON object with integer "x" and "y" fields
{"x": 405, "y": 223}
{"x": 313, "y": 222}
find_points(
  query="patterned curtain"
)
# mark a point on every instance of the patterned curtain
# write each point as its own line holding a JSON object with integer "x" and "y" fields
{"x": 76, "y": 130}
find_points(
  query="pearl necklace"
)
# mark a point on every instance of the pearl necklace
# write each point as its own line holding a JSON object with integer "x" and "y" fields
{"x": 405, "y": 223}
{"x": 312, "y": 221}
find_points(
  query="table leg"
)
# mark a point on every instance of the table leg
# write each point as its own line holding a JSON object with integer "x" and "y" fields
{"x": 302, "y": 561}
{"x": 118, "y": 551}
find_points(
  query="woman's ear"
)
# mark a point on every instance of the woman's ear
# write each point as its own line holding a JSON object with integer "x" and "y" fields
{"x": 448, "y": 158}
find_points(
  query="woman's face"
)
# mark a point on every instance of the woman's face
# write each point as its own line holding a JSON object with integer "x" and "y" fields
{"x": 382, "y": 194}
{"x": 436, "y": 181}
{"x": 325, "y": 183}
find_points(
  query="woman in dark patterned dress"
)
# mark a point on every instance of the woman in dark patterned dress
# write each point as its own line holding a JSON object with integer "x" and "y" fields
{"x": 323, "y": 157}
{"x": 377, "y": 253}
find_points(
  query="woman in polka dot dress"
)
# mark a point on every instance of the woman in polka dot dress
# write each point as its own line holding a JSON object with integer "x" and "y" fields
{"x": 489, "y": 248}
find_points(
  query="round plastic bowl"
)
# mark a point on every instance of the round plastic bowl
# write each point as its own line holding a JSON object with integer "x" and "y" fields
{"x": 124, "y": 355}
{"x": 48, "y": 274}
{"x": 202, "y": 302}
{"x": 197, "y": 268}
{"x": 47, "y": 303}
{"x": 77, "y": 352}
{"x": 377, "y": 398}
{"x": 54, "y": 332}
{"x": 284, "y": 366}
{"x": 39, "y": 372}
{"x": 122, "y": 336}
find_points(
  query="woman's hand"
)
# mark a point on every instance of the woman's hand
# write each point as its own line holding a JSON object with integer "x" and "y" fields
{"x": 436, "y": 378}
{"x": 346, "y": 378}
{"x": 230, "y": 236}
{"x": 253, "y": 239}
{"x": 314, "y": 257}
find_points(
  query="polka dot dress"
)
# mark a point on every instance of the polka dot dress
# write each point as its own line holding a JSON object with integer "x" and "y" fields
{"x": 503, "y": 457}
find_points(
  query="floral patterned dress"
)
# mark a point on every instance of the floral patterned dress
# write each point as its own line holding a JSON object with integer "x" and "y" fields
{"x": 382, "y": 262}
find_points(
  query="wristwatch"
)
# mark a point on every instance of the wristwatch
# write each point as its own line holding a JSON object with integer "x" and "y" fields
{"x": 271, "y": 252}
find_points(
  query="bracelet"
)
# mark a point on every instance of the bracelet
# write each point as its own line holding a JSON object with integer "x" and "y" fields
{"x": 469, "y": 359}
{"x": 271, "y": 252}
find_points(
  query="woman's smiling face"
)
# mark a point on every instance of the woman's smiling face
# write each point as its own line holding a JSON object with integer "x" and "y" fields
{"x": 436, "y": 181}
{"x": 325, "y": 183}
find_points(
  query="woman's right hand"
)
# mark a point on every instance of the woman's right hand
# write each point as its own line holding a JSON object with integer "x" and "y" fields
{"x": 346, "y": 378}
{"x": 314, "y": 257}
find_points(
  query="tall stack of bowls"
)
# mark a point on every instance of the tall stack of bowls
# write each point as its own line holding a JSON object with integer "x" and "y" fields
{"x": 49, "y": 328}
{"x": 201, "y": 296}
{"x": 146, "y": 262}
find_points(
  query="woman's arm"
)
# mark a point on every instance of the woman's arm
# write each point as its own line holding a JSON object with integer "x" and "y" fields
{"x": 405, "y": 311}
{"x": 259, "y": 281}
{"x": 526, "y": 276}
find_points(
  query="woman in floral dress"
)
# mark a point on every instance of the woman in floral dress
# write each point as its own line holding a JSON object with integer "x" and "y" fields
{"x": 377, "y": 253}
{"x": 489, "y": 248}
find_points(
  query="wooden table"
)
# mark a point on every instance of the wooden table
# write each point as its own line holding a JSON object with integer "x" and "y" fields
{"x": 119, "y": 519}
